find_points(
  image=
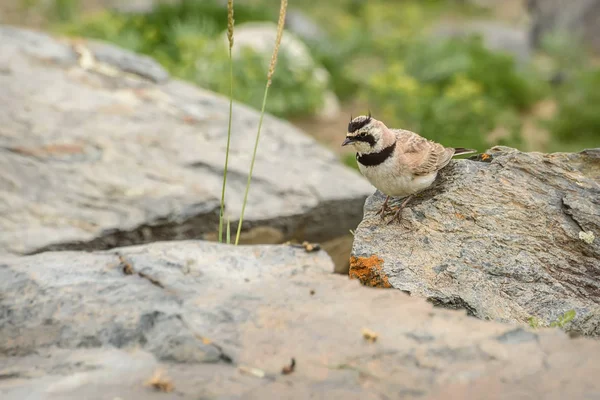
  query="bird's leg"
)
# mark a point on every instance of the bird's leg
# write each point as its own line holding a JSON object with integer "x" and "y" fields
{"x": 383, "y": 208}
{"x": 398, "y": 214}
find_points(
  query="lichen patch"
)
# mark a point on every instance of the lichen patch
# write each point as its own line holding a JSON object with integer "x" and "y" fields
{"x": 369, "y": 271}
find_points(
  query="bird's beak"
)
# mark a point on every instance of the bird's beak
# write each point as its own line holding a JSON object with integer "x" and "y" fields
{"x": 347, "y": 141}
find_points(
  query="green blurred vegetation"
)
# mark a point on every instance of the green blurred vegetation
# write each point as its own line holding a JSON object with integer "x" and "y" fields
{"x": 577, "y": 122}
{"x": 454, "y": 92}
{"x": 378, "y": 55}
{"x": 188, "y": 40}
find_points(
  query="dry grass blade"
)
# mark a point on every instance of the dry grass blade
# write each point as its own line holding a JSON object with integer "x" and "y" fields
{"x": 230, "y": 22}
{"x": 280, "y": 25}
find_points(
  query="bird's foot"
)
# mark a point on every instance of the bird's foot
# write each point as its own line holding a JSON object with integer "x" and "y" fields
{"x": 398, "y": 211}
{"x": 384, "y": 208}
{"x": 397, "y": 215}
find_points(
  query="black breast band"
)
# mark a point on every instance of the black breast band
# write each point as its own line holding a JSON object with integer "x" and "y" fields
{"x": 373, "y": 159}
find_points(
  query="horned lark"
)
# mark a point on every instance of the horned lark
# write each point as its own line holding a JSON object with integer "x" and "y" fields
{"x": 399, "y": 163}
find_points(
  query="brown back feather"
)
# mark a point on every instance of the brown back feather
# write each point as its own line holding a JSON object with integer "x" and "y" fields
{"x": 422, "y": 156}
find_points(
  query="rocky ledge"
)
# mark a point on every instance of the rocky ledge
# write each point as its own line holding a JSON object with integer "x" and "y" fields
{"x": 100, "y": 148}
{"x": 510, "y": 236}
{"x": 198, "y": 320}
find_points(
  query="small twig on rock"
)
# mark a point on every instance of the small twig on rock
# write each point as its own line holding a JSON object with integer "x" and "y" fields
{"x": 150, "y": 279}
{"x": 288, "y": 369}
{"x": 127, "y": 268}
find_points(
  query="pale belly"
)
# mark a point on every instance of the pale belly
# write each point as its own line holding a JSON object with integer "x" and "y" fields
{"x": 389, "y": 182}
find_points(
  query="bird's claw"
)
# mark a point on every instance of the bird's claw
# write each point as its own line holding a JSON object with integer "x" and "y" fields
{"x": 398, "y": 211}
{"x": 397, "y": 216}
{"x": 383, "y": 211}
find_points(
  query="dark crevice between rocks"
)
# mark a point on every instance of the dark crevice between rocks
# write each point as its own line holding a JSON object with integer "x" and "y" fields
{"x": 453, "y": 303}
{"x": 164, "y": 229}
{"x": 11, "y": 375}
{"x": 327, "y": 221}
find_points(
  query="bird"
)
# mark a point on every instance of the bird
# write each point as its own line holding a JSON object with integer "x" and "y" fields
{"x": 398, "y": 162}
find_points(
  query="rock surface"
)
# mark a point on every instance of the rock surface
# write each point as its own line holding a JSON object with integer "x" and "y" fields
{"x": 100, "y": 148}
{"x": 221, "y": 322}
{"x": 500, "y": 239}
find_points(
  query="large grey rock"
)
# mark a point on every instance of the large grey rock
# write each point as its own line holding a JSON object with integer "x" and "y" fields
{"x": 100, "y": 148}
{"x": 576, "y": 18}
{"x": 221, "y": 322}
{"x": 509, "y": 240}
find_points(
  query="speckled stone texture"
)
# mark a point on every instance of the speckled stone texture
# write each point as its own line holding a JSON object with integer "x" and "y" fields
{"x": 499, "y": 238}
{"x": 222, "y": 322}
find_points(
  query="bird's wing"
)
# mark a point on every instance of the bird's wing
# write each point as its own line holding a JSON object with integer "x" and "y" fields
{"x": 419, "y": 155}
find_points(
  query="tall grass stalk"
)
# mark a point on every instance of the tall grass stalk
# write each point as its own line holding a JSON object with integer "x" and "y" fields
{"x": 280, "y": 24}
{"x": 230, "y": 22}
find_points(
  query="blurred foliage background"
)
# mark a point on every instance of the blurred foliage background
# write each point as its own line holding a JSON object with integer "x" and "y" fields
{"x": 414, "y": 64}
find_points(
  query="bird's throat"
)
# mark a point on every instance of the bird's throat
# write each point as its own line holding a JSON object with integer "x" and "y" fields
{"x": 373, "y": 159}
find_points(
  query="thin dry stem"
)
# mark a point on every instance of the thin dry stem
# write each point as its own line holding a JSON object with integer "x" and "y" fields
{"x": 280, "y": 25}
{"x": 230, "y": 22}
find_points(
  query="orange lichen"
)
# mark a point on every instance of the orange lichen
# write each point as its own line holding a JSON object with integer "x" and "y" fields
{"x": 369, "y": 271}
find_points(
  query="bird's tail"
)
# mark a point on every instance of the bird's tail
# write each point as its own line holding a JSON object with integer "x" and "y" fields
{"x": 458, "y": 151}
